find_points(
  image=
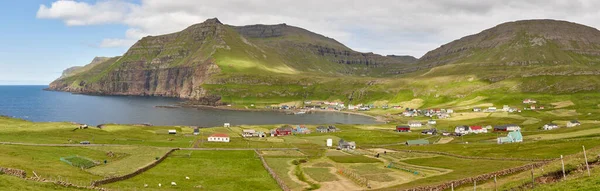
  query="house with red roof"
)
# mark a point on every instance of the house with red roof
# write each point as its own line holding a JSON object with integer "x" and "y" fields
{"x": 478, "y": 129}
{"x": 218, "y": 137}
{"x": 402, "y": 128}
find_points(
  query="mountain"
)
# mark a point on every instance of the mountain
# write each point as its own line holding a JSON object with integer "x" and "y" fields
{"x": 521, "y": 49}
{"x": 188, "y": 63}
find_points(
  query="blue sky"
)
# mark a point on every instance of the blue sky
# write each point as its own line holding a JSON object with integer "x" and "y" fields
{"x": 41, "y": 38}
{"x": 35, "y": 51}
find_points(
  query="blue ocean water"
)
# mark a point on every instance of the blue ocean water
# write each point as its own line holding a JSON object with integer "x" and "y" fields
{"x": 34, "y": 104}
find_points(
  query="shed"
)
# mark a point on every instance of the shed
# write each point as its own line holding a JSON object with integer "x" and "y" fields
{"x": 172, "y": 131}
{"x": 402, "y": 128}
{"x": 417, "y": 142}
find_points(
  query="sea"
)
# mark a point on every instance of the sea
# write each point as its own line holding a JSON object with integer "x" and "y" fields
{"x": 33, "y": 103}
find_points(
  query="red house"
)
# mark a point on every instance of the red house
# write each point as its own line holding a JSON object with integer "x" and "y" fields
{"x": 402, "y": 128}
{"x": 282, "y": 131}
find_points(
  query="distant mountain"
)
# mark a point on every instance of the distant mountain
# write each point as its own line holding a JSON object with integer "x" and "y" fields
{"x": 521, "y": 49}
{"x": 181, "y": 64}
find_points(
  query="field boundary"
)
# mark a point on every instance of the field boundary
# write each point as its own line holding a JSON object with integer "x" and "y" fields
{"x": 13, "y": 172}
{"x": 133, "y": 174}
{"x": 479, "y": 178}
{"x": 23, "y": 175}
{"x": 477, "y": 158}
{"x": 272, "y": 173}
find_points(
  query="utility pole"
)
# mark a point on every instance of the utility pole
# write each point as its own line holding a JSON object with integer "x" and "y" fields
{"x": 586, "y": 162}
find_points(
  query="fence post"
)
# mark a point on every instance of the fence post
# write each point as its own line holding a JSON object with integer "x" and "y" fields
{"x": 532, "y": 178}
{"x": 474, "y": 185}
{"x": 495, "y": 183}
{"x": 586, "y": 161}
{"x": 452, "y": 186}
{"x": 563, "y": 167}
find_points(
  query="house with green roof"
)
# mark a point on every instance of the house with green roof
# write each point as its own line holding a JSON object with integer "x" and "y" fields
{"x": 512, "y": 137}
{"x": 417, "y": 142}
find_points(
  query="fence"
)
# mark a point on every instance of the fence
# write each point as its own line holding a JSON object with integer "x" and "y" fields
{"x": 13, "y": 172}
{"x": 272, "y": 173}
{"x": 480, "y": 178}
{"x": 478, "y": 158}
{"x": 130, "y": 175}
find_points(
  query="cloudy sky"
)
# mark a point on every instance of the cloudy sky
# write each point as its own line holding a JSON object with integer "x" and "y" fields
{"x": 42, "y": 37}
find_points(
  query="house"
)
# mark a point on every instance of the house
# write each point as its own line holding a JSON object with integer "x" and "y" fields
{"x": 329, "y": 129}
{"x": 402, "y": 128}
{"x": 196, "y": 130}
{"x": 429, "y": 132}
{"x": 410, "y": 113}
{"x": 541, "y": 107}
{"x": 415, "y": 124}
{"x": 550, "y": 126}
{"x": 513, "y": 109}
{"x": 491, "y": 109}
{"x": 172, "y": 131}
{"x": 446, "y": 134}
{"x": 449, "y": 111}
{"x": 573, "y": 123}
{"x": 532, "y": 107}
{"x": 510, "y": 127}
{"x": 529, "y": 101}
{"x": 282, "y": 131}
{"x": 417, "y": 142}
{"x": 431, "y": 122}
{"x": 248, "y": 133}
{"x": 344, "y": 145}
{"x": 505, "y": 108}
{"x": 513, "y": 137}
{"x": 476, "y": 109}
{"x": 462, "y": 130}
{"x": 218, "y": 137}
{"x": 364, "y": 108}
{"x": 226, "y": 125}
{"x": 301, "y": 129}
{"x": 478, "y": 129}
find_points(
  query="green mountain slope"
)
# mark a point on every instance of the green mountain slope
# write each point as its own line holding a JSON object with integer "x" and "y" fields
{"x": 204, "y": 59}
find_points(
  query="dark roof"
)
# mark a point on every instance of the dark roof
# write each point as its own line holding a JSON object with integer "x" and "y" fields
{"x": 321, "y": 127}
{"x": 574, "y": 121}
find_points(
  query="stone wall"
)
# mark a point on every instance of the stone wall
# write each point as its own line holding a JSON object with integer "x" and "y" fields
{"x": 137, "y": 172}
{"x": 272, "y": 173}
{"x": 13, "y": 172}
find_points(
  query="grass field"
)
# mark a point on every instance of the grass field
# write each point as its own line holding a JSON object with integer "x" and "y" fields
{"x": 209, "y": 170}
{"x": 320, "y": 174}
{"x": 353, "y": 159}
{"x": 14, "y": 183}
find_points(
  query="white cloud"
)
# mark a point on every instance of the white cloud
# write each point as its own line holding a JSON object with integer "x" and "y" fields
{"x": 116, "y": 42}
{"x": 383, "y": 26}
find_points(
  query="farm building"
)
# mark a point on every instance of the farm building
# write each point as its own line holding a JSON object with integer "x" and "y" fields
{"x": 417, "y": 142}
{"x": 491, "y": 109}
{"x": 402, "y": 128}
{"x": 344, "y": 145}
{"x": 573, "y": 123}
{"x": 529, "y": 101}
{"x": 196, "y": 130}
{"x": 477, "y": 109}
{"x": 550, "y": 126}
{"x": 462, "y": 130}
{"x": 282, "y": 131}
{"x": 415, "y": 124}
{"x": 218, "y": 137}
{"x": 513, "y": 137}
{"x": 301, "y": 129}
{"x": 431, "y": 122}
{"x": 478, "y": 129}
{"x": 248, "y": 133}
{"x": 329, "y": 129}
{"x": 226, "y": 125}
{"x": 172, "y": 131}
{"x": 429, "y": 132}
{"x": 510, "y": 127}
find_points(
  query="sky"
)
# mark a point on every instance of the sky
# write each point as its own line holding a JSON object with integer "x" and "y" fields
{"x": 41, "y": 38}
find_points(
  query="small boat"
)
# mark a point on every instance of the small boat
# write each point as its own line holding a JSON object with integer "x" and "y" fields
{"x": 300, "y": 113}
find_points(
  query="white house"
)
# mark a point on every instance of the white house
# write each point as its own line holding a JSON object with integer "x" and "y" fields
{"x": 415, "y": 124}
{"x": 462, "y": 130}
{"x": 449, "y": 111}
{"x": 432, "y": 122}
{"x": 573, "y": 123}
{"x": 528, "y": 101}
{"x": 172, "y": 131}
{"x": 550, "y": 126}
{"x": 505, "y": 108}
{"x": 226, "y": 125}
{"x": 218, "y": 137}
{"x": 476, "y": 109}
{"x": 491, "y": 109}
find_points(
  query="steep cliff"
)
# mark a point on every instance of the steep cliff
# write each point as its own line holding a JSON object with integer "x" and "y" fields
{"x": 184, "y": 63}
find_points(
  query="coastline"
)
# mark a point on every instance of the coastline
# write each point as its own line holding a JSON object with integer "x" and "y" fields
{"x": 377, "y": 118}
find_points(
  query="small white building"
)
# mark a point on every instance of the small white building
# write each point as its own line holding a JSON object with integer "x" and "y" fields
{"x": 529, "y": 101}
{"x": 573, "y": 123}
{"x": 218, "y": 137}
{"x": 226, "y": 125}
{"x": 550, "y": 126}
{"x": 491, "y": 109}
{"x": 449, "y": 111}
{"x": 172, "y": 131}
{"x": 329, "y": 142}
{"x": 505, "y": 108}
{"x": 476, "y": 109}
{"x": 432, "y": 122}
{"x": 415, "y": 124}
